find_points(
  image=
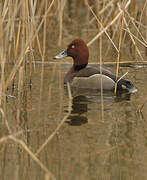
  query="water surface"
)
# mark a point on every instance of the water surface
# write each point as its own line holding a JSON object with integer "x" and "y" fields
{"x": 90, "y": 144}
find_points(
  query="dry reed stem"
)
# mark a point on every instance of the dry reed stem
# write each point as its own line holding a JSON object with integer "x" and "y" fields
{"x": 5, "y": 10}
{"x": 39, "y": 48}
{"x": 20, "y": 59}
{"x": 17, "y": 41}
{"x": 33, "y": 7}
{"x": 133, "y": 39}
{"x": 41, "y": 88}
{"x": 137, "y": 29}
{"x": 5, "y": 138}
{"x": 31, "y": 18}
{"x": 17, "y": 7}
{"x": 8, "y": 33}
{"x": 102, "y": 10}
{"x": 2, "y": 83}
{"x": 137, "y": 22}
{"x": 102, "y": 96}
{"x": 110, "y": 24}
{"x": 141, "y": 42}
{"x": 42, "y": 75}
{"x": 118, "y": 57}
{"x": 60, "y": 94}
{"x": 44, "y": 33}
{"x": 144, "y": 7}
{"x": 102, "y": 27}
{"x": 130, "y": 33}
{"x": 106, "y": 63}
{"x": 20, "y": 90}
{"x": 21, "y": 80}
{"x": 50, "y": 84}
{"x": 5, "y": 118}
{"x": 122, "y": 76}
{"x": 61, "y": 123}
{"x": 2, "y": 59}
{"x": 34, "y": 157}
{"x": 140, "y": 107}
{"x": 114, "y": 34}
{"x": 37, "y": 17}
{"x": 146, "y": 31}
{"x": 106, "y": 7}
{"x": 43, "y": 59}
{"x": 61, "y": 9}
{"x": 116, "y": 139}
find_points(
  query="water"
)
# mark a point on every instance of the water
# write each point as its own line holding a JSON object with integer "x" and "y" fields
{"x": 87, "y": 146}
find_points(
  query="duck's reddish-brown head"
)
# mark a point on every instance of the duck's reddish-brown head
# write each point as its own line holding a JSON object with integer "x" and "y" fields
{"x": 78, "y": 50}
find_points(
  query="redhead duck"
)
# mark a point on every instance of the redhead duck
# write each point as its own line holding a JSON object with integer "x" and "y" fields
{"x": 82, "y": 76}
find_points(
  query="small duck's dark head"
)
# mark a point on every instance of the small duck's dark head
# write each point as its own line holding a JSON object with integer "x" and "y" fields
{"x": 78, "y": 50}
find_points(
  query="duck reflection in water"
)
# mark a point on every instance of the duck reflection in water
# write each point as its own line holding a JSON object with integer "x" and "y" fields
{"x": 79, "y": 107}
{"x": 83, "y": 98}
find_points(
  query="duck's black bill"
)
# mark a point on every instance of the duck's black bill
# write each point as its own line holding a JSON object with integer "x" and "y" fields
{"x": 61, "y": 55}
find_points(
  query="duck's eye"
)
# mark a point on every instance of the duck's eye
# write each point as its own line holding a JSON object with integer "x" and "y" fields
{"x": 73, "y": 46}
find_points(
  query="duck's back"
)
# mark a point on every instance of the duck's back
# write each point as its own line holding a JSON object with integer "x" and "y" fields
{"x": 89, "y": 71}
{"x": 90, "y": 77}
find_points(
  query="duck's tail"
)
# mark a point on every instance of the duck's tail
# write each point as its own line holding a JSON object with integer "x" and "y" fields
{"x": 126, "y": 84}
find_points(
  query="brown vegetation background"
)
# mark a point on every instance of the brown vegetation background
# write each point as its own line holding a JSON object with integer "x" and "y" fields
{"x": 34, "y": 30}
